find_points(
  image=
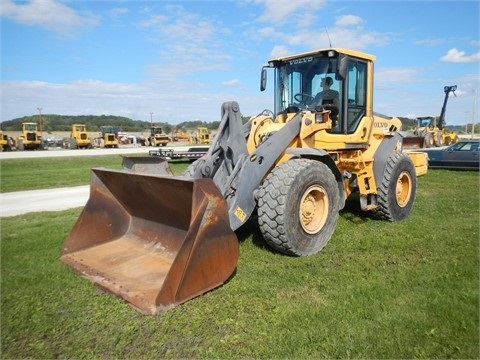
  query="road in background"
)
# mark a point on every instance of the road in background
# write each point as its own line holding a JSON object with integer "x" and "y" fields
{"x": 66, "y": 153}
{"x": 22, "y": 202}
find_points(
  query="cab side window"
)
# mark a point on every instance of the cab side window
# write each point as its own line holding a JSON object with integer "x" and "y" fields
{"x": 357, "y": 94}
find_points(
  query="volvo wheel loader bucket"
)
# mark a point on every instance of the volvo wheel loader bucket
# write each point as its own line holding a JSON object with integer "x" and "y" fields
{"x": 154, "y": 241}
{"x": 152, "y": 165}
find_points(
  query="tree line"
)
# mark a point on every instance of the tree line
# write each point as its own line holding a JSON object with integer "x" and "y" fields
{"x": 55, "y": 123}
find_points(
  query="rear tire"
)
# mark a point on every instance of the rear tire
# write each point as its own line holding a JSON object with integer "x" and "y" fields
{"x": 397, "y": 190}
{"x": 298, "y": 207}
{"x": 439, "y": 140}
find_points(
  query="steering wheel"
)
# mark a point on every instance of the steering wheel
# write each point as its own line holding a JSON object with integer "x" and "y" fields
{"x": 303, "y": 98}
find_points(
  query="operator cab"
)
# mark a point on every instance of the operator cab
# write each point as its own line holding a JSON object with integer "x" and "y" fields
{"x": 300, "y": 84}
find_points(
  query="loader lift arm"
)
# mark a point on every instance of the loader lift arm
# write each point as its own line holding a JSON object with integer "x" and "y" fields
{"x": 235, "y": 172}
{"x": 447, "y": 90}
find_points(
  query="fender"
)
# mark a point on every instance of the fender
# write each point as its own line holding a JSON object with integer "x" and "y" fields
{"x": 383, "y": 152}
{"x": 323, "y": 156}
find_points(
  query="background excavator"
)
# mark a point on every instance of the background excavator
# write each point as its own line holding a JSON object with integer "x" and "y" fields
{"x": 294, "y": 166}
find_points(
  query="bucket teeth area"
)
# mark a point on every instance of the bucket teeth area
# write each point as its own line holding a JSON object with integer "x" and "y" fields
{"x": 155, "y": 251}
{"x": 129, "y": 267}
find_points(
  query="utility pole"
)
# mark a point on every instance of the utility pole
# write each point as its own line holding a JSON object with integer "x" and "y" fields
{"x": 40, "y": 114}
{"x": 473, "y": 112}
{"x": 467, "y": 120}
{"x": 151, "y": 120}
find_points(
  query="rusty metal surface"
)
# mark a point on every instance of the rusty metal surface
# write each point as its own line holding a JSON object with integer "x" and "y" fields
{"x": 146, "y": 165}
{"x": 413, "y": 142}
{"x": 154, "y": 241}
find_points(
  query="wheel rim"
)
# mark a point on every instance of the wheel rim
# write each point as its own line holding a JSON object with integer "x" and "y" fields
{"x": 313, "y": 209}
{"x": 403, "y": 189}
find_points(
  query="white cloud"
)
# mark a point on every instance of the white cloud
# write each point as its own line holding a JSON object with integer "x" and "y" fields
{"x": 48, "y": 14}
{"x": 348, "y": 20}
{"x": 279, "y": 51}
{"x": 231, "y": 83}
{"x": 347, "y": 32}
{"x": 181, "y": 102}
{"x": 267, "y": 32}
{"x": 153, "y": 20}
{"x": 119, "y": 11}
{"x": 456, "y": 56}
{"x": 187, "y": 42}
{"x": 278, "y": 11}
{"x": 396, "y": 75}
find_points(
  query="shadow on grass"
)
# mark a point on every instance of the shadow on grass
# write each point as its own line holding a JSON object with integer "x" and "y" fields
{"x": 351, "y": 212}
{"x": 250, "y": 230}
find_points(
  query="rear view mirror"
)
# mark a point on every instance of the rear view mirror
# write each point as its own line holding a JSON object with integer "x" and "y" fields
{"x": 342, "y": 67}
{"x": 263, "y": 79}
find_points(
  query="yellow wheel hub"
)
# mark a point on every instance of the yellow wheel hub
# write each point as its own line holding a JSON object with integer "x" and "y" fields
{"x": 313, "y": 209}
{"x": 403, "y": 190}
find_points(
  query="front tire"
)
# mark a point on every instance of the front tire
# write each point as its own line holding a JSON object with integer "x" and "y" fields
{"x": 429, "y": 141}
{"x": 298, "y": 207}
{"x": 397, "y": 190}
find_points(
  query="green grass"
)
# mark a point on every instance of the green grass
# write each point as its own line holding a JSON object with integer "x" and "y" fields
{"x": 44, "y": 173}
{"x": 378, "y": 290}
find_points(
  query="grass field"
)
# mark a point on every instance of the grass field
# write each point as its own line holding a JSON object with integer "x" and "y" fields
{"x": 378, "y": 290}
{"x": 44, "y": 173}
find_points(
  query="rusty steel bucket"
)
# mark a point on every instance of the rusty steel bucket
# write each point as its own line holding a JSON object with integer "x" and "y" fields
{"x": 151, "y": 165}
{"x": 413, "y": 142}
{"x": 154, "y": 241}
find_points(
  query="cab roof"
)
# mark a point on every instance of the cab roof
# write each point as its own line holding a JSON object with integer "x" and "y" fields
{"x": 345, "y": 51}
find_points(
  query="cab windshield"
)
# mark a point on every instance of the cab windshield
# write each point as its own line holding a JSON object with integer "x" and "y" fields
{"x": 300, "y": 81}
{"x": 31, "y": 127}
{"x": 425, "y": 122}
{"x": 321, "y": 82}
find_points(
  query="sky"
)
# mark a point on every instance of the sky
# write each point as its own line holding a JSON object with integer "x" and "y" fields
{"x": 175, "y": 61}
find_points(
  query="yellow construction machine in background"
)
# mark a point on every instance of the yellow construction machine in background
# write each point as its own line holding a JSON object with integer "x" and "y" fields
{"x": 78, "y": 138}
{"x": 201, "y": 137}
{"x": 3, "y": 141}
{"x": 294, "y": 166}
{"x": 157, "y": 137}
{"x": 433, "y": 127}
{"x": 108, "y": 137}
{"x": 30, "y": 139}
{"x": 178, "y": 135}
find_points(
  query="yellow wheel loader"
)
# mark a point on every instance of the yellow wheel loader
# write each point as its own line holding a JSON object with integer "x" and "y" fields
{"x": 433, "y": 127}
{"x": 3, "y": 141}
{"x": 30, "y": 138}
{"x": 108, "y": 136}
{"x": 201, "y": 137}
{"x": 294, "y": 166}
{"x": 78, "y": 138}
